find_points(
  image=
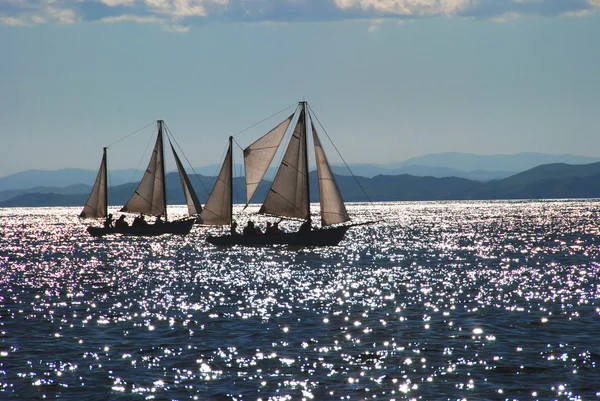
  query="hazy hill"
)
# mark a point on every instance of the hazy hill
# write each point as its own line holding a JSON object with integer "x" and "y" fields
{"x": 63, "y": 178}
{"x": 548, "y": 181}
{"x": 501, "y": 162}
{"x": 371, "y": 170}
{"x": 462, "y": 165}
{"x": 557, "y": 180}
{"x": 551, "y": 171}
{"x": 69, "y": 190}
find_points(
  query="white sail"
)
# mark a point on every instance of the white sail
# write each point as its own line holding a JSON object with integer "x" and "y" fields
{"x": 258, "y": 156}
{"x": 217, "y": 210}
{"x": 96, "y": 206}
{"x": 333, "y": 210}
{"x": 193, "y": 204}
{"x": 288, "y": 196}
{"x": 149, "y": 197}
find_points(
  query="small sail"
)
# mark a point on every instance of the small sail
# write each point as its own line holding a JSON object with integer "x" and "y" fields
{"x": 96, "y": 206}
{"x": 333, "y": 210}
{"x": 288, "y": 196}
{"x": 258, "y": 156}
{"x": 217, "y": 210}
{"x": 193, "y": 204}
{"x": 149, "y": 196}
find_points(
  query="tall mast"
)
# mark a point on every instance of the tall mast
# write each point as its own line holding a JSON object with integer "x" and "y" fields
{"x": 231, "y": 180}
{"x": 305, "y": 115}
{"x": 162, "y": 164}
{"x": 105, "y": 172}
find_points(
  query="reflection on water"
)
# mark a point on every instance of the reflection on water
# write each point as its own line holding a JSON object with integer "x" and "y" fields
{"x": 441, "y": 300}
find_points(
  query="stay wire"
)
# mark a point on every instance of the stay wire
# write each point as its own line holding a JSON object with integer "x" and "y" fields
{"x": 134, "y": 132}
{"x": 312, "y": 113}
{"x": 171, "y": 136}
{"x": 262, "y": 121}
{"x": 127, "y": 136}
{"x": 139, "y": 162}
{"x": 137, "y": 168}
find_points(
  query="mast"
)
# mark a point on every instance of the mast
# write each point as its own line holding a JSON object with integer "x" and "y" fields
{"x": 105, "y": 172}
{"x": 303, "y": 106}
{"x": 231, "y": 180}
{"x": 162, "y": 167}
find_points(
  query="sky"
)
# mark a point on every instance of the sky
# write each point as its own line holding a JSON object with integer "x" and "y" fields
{"x": 388, "y": 79}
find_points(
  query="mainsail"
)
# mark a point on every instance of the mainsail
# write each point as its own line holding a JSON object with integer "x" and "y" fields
{"x": 96, "y": 205}
{"x": 217, "y": 210}
{"x": 288, "y": 196}
{"x": 333, "y": 210}
{"x": 149, "y": 197}
{"x": 258, "y": 156}
{"x": 193, "y": 204}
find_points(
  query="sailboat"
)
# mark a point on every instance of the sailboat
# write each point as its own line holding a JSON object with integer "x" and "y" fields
{"x": 289, "y": 195}
{"x": 149, "y": 198}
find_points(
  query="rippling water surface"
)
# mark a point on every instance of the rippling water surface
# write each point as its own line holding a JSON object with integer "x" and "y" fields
{"x": 447, "y": 300}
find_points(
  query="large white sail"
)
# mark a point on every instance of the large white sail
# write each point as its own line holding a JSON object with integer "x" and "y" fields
{"x": 149, "y": 197}
{"x": 217, "y": 210}
{"x": 288, "y": 196}
{"x": 96, "y": 206}
{"x": 193, "y": 204}
{"x": 333, "y": 210}
{"x": 258, "y": 156}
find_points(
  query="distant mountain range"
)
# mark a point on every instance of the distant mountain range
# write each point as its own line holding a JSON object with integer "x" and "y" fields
{"x": 465, "y": 165}
{"x": 550, "y": 181}
{"x": 460, "y": 165}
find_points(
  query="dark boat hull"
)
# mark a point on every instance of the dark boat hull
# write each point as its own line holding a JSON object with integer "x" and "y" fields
{"x": 181, "y": 227}
{"x": 322, "y": 237}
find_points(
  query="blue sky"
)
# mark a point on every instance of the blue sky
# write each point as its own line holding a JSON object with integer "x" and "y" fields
{"x": 389, "y": 79}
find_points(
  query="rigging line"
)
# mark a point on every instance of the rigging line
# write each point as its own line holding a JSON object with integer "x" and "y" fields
{"x": 217, "y": 173}
{"x": 143, "y": 154}
{"x": 242, "y": 166}
{"x": 237, "y": 143}
{"x": 134, "y": 132}
{"x": 284, "y": 148}
{"x": 338, "y": 152}
{"x": 171, "y": 136}
{"x": 268, "y": 118}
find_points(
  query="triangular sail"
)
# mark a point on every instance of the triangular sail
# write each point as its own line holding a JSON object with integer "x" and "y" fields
{"x": 193, "y": 204}
{"x": 333, "y": 210}
{"x": 96, "y": 206}
{"x": 288, "y": 196}
{"x": 217, "y": 210}
{"x": 149, "y": 197}
{"x": 258, "y": 156}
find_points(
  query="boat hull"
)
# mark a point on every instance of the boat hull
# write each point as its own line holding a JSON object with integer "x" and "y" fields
{"x": 322, "y": 237}
{"x": 181, "y": 227}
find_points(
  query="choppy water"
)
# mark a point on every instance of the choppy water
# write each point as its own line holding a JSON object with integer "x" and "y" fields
{"x": 452, "y": 300}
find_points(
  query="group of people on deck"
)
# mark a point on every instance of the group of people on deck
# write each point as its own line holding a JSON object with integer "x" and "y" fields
{"x": 121, "y": 222}
{"x": 250, "y": 229}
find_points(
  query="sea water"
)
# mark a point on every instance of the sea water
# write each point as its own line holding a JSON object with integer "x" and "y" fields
{"x": 433, "y": 301}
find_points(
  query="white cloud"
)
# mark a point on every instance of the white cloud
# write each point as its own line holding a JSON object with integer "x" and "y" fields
{"x": 579, "y": 13}
{"x": 408, "y": 7}
{"x": 114, "y": 3}
{"x": 179, "y": 15}
{"x": 375, "y": 25}
{"x": 12, "y": 21}
{"x": 507, "y": 17}
{"x": 61, "y": 15}
{"x": 29, "y": 12}
{"x": 131, "y": 18}
{"x": 146, "y": 20}
{"x": 176, "y": 28}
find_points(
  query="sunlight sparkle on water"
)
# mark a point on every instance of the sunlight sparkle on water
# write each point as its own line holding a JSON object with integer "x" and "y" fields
{"x": 464, "y": 299}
